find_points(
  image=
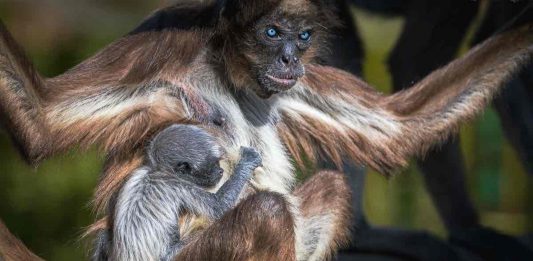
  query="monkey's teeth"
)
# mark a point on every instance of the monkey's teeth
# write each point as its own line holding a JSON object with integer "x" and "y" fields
{"x": 284, "y": 81}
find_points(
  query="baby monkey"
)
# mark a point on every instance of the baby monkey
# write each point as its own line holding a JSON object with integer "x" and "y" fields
{"x": 182, "y": 161}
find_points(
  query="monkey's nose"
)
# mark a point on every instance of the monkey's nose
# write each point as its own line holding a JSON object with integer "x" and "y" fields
{"x": 288, "y": 59}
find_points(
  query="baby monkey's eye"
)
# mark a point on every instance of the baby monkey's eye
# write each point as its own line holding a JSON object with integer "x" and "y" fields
{"x": 272, "y": 32}
{"x": 183, "y": 166}
{"x": 305, "y": 35}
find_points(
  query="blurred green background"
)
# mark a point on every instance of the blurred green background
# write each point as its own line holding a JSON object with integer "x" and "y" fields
{"x": 49, "y": 206}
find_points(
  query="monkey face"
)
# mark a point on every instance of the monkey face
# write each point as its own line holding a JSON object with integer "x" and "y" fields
{"x": 201, "y": 168}
{"x": 269, "y": 53}
{"x": 275, "y": 48}
{"x": 189, "y": 152}
{"x": 208, "y": 174}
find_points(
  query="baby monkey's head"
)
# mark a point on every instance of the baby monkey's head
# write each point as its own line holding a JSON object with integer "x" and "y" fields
{"x": 187, "y": 151}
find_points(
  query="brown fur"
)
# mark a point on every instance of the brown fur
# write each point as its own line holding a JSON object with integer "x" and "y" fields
{"x": 115, "y": 100}
{"x": 38, "y": 115}
{"x": 96, "y": 227}
{"x": 425, "y": 114}
{"x": 21, "y": 112}
{"x": 328, "y": 188}
{"x": 12, "y": 249}
{"x": 259, "y": 228}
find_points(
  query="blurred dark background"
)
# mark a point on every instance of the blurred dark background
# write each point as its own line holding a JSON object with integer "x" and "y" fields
{"x": 49, "y": 206}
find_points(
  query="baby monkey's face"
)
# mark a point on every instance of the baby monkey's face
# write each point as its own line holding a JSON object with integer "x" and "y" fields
{"x": 188, "y": 152}
{"x": 204, "y": 172}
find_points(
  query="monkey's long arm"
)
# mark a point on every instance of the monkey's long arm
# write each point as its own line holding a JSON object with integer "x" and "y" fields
{"x": 114, "y": 99}
{"x": 334, "y": 113}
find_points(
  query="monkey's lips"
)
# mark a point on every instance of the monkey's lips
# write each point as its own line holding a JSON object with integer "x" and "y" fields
{"x": 271, "y": 85}
{"x": 285, "y": 82}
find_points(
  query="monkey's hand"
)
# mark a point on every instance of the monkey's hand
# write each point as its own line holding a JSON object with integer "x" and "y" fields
{"x": 230, "y": 191}
{"x": 250, "y": 157}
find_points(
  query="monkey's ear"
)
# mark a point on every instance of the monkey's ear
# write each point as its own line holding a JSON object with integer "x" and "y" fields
{"x": 243, "y": 12}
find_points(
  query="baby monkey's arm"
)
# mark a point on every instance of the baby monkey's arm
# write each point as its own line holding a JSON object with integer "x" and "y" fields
{"x": 215, "y": 205}
{"x": 230, "y": 191}
{"x": 227, "y": 195}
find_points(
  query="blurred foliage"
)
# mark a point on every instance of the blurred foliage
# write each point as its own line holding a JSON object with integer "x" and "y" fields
{"x": 48, "y": 207}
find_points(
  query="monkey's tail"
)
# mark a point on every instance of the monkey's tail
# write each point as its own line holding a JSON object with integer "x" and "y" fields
{"x": 12, "y": 249}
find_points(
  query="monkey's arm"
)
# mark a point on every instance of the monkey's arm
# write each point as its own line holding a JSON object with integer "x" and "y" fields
{"x": 216, "y": 205}
{"x": 334, "y": 113}
{"x": 20, "y": 100}
{"x": 230, "y": 191}
{"x": 11, "y": 248}
{"x": 113, "y": 99}
{"x": 149, "y": 202}
{"x": 200, "y": 202}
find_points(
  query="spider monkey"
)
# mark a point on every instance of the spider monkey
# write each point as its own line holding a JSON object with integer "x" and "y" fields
{"x": 252, "y": 74}
{"x": 182, "y": 162}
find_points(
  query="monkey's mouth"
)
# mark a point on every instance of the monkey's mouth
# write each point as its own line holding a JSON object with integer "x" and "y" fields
{"x": 272, "y": 84}
{"x": 285, "y": 81}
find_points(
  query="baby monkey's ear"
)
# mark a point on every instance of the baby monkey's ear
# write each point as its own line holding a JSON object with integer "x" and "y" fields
{"x": 244, "y": 12}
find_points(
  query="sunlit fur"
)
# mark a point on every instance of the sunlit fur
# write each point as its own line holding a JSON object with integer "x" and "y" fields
{"x": 192, "y": 72}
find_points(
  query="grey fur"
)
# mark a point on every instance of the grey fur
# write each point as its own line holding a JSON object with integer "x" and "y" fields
{"x": 183, "y": 161}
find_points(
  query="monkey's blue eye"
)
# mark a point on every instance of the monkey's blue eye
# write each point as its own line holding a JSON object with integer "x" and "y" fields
{"x": 305, "y": 36}
{"x": 272, "y": 32}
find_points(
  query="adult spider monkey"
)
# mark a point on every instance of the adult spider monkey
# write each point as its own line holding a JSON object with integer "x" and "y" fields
{"x": 252, "y": 75}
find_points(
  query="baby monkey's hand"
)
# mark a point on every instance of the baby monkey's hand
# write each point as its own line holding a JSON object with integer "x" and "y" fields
{"x": 251, "y": 156}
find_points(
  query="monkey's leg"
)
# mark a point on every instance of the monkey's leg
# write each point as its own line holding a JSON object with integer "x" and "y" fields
{"x": 431, "y": 37}
{"x": 325, "y": 215}
{"x": 347, "y": 53}
{"x": 516, "y": 114}
{"x": 383, "y": 242}
{"x": 260, "y": 228}
{"x": 387, "y": 242}
{"x": 514, "y": 104}
{"x": 515, "y": 109}
{"x": 443, "y": 168}
{"x": 444, "y": 177}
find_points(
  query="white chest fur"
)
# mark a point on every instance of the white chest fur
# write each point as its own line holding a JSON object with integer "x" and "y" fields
{"x": 277, "y": 173}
